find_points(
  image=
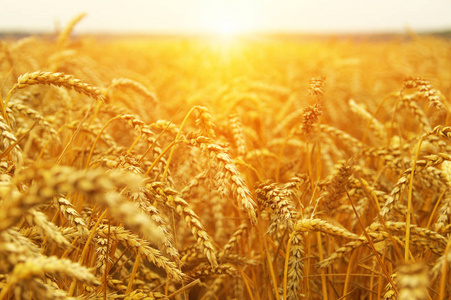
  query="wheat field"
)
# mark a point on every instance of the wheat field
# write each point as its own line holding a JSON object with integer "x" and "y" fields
{"x": 205, "y": 168}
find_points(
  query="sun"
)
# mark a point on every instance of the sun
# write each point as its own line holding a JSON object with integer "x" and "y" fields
{"x": 227, "y": 28}
{"x": 224, "y": 19}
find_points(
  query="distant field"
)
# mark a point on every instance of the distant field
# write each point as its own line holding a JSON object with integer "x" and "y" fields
{"x": 277, "y": 35}
{"x": 207, "y": 167}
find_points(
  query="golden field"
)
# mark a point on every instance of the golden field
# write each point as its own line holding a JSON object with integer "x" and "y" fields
{"x": 257, "y": 167}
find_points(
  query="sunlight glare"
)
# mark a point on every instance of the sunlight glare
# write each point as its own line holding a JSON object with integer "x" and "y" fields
{"x": 227, "y": 20}
{"x": 227, "y": 29}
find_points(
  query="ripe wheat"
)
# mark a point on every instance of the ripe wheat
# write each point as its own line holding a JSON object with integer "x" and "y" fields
{"x": 231, "y": 172}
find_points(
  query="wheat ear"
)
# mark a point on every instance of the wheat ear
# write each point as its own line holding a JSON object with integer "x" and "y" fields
{"x": 134, "y": 85}
{"x": 142, "y": 247}
{"x": 228, "y": 176}
{"x": 395, "y": 195}
{"x": 413, "y": 281}
{"x": 71, "y": 214}
{"x": 36, "y": 267}
{"x": 304, "y": 225}
{"x": 62, "y": 39}
{"x": 183, "y": 209}
{"x": 434, "y": 96}
{"x": 55, "y": 79}
{"x": 295, "y": 265}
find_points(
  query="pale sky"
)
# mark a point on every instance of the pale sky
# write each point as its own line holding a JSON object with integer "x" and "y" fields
{"x": 191, "y": 16}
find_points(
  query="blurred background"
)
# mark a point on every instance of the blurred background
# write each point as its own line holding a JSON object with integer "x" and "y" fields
{"x": 203, "y": 16}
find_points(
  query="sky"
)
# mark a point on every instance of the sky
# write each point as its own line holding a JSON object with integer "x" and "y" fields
{"x": 199, "y": 16}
